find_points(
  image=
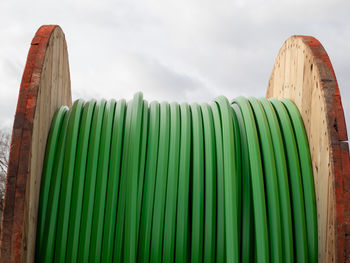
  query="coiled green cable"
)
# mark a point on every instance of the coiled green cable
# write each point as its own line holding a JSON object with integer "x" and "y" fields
{"x": 49, "y": 221}
{"x": 230, "y": 181}
{"x": 78, "y": 181}
{"x": 149, "y": 185}
{"x": 92, "y": 169}
{"x": 160, "y": 184}
{"x": 282, "y": 181}
{"x": 183, "y": 203}
{"x": 67, "y": 181}
{"x": 246, "y": 204}
{"x": 269, "y": 167}
{"x": 298, "y": 207}
{"x": 48, "y": 176}
{"x": 119, "y": 232}
{"x": 172, "y": 185}
{"x": 220, "y": 212}
{"x": 307, "y": 178}
{"x": 139, "y": 182}
{"x": 257, "y": 180}
{"x": 209, "y": 185}
{"x": 113, "y": 188}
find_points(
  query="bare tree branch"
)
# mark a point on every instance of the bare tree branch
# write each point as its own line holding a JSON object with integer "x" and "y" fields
{"x": 4, "y": 155}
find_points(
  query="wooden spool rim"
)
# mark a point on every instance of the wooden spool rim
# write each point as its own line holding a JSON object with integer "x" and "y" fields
{"x": 16, "y": 245}
{"x": 44, "y": 87}
{"x": 303, "y": 73}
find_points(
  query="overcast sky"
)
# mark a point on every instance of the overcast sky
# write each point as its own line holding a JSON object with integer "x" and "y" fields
{"x": 179, "y": 50}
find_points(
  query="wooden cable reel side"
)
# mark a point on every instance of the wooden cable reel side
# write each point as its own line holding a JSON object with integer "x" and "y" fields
{"x": 302, "y": 73}
{"x": 44, "y": 88}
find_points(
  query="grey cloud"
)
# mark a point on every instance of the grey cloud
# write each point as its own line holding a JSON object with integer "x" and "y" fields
{"x": 172, "y": 50}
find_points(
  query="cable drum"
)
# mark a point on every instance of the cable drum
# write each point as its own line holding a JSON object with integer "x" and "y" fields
{"x": 159, "y": 182}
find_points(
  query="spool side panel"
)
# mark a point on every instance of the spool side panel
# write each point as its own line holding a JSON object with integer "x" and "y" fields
{"x": 12, "y": 221}
{"x": 54, "y": 91}
{"x": 42, "y": 91}
{"x": 304, "y": 74}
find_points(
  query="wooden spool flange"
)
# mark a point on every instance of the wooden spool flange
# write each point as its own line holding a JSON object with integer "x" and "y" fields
{"x": 302, "y": 73}
{"x": 44, "y": 88}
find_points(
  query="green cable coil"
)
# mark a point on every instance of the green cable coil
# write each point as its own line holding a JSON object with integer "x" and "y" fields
{"x": 160, "y": 182}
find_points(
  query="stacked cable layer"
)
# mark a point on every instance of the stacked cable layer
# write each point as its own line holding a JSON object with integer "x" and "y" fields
{"x": 159, "y": 182}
